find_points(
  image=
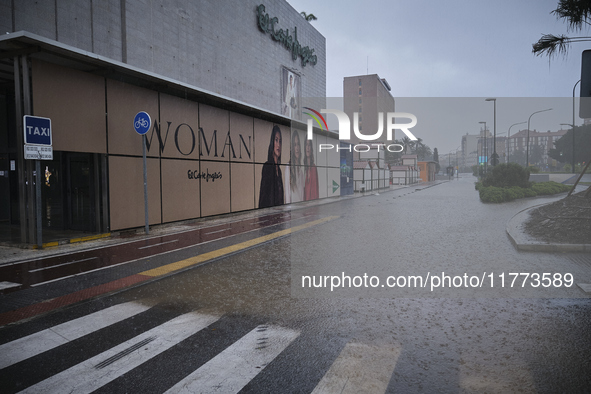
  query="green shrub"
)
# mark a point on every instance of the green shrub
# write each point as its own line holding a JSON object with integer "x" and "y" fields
{"x": 495, "y": 194}
{"x": 513, "y": 193}
{"x": 529, "y": 193}
{"x": 507, "y": 175}
{"x": 534, "y": 170}
{"x": 492, "y": 194}
{"x": 547, "y": 188}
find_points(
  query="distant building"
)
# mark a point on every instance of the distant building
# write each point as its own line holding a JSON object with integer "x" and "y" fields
{"x": 540, "y": 144}
{"x": 367, "y": 95}
{"x": 427, "y": 170}
{"x": 402, "y": 175}
{"x": 469, "y": 155}
{"x": 364, "y": 97}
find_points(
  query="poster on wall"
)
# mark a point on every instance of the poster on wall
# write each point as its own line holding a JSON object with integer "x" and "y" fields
{"x": 271, "y": 191}
{"x": 294, "y": 174}
{"x": 290, "y": 97}
{"x": 301, "y": 175}
{"x": 311, "y": 190}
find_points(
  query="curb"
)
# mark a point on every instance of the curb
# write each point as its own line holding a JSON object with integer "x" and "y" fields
{"x": 524, "y": 242}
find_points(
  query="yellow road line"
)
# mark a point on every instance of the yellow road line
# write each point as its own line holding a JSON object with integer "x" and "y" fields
{"x": 165, "y": 269}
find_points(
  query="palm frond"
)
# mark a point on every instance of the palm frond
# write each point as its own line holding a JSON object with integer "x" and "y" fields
{"x": 576, "y": 13}
{"x": 551, "y": 45}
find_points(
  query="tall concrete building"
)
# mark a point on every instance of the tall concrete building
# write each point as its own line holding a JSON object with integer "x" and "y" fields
{"x": 469, "y": 151}
{"x": 367, "y": 95}
{"x": 218, "y": 79}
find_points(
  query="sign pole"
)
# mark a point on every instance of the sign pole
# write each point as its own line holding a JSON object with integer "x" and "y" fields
{"x": 38, "y": 146}
{"x": 141, "y": 124}
{"x": 38, "y": 203}
{"x": 145, "y": 186}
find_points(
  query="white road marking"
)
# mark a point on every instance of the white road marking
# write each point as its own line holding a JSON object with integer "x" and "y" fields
{"x": 42, "y": 341}
{"x": 360, "y": 369}
{"x": 161, "y": 243}
{"x": 8, "y": 285}
{"x": 233, "y": 368}
{"x": 218, "y": 231}
{"x": 61, "y": 265}
{"x": 99, "y": 370}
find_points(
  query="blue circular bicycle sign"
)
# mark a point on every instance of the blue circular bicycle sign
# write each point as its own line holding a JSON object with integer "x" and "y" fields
{"x": 142, "y": 122}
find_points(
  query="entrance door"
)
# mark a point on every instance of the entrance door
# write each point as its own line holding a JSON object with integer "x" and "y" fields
{"x": 80, "y": 196}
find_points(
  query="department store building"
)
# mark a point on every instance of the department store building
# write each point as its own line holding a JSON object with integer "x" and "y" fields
{"x": 217, "y": 78}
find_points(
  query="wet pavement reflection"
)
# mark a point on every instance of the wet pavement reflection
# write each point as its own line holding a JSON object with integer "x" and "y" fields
{"x": 44, "y": 270}
{"x": 504, "y": 343}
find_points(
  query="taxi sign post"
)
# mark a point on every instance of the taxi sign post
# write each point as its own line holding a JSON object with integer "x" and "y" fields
{"x": 38, "y": 146}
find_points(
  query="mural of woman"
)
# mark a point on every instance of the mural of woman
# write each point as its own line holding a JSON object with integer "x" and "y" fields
{"x": 271, "y": 192}
{"x": 294, "y": 178}
{"x": 311, "y": 185}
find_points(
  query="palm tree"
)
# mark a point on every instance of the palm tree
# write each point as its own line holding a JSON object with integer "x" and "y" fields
{"x": 407, "y": 143}
{"x": 577, "y": 13}
{"x": 422, "y": 151}
{"x": 308, "y": 17}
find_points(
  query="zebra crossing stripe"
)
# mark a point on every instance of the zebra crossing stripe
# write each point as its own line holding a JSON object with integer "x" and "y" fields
{"x": 42, "y": 341}
{"x": 232, "y": 369}
{"x": 107, "y": 366}
{"x": 360, "y": 369}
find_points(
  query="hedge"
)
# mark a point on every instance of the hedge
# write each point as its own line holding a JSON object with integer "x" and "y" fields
{"x": 502, "y": 194}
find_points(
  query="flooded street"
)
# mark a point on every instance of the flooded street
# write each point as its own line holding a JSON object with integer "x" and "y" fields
{"x": 510, "y": 339}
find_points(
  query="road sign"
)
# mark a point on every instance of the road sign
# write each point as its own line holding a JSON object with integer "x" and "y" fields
{"x": 37, "y": 130}
{"x": 142, "y": 122}
{"x": 38, "y": 152}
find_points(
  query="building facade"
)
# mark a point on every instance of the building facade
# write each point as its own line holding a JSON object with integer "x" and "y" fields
{"x": 366, "y": 96}
{"x": 469, "y": 151}
{"x": 221, "y": 81}
{"x": 540, "y": 144}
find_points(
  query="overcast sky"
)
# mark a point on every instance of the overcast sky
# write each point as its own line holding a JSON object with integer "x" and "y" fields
{"x": 454, "y": 48}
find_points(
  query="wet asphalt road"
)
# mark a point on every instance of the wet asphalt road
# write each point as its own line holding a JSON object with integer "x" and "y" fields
{"x": 457, "y": 339}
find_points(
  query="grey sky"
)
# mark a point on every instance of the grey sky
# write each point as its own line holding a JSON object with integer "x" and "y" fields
{"x": 456, "y": 48}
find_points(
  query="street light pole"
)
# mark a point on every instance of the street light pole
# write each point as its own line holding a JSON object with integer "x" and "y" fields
{"x": 527, "y": 141}
{"x": 494, "y": 155}
{"x": 457, "y": 165}
{"x": 481, "y": 146}
{"x": 572, "y": 126}
{"x": 573, "y": 169}
{"x": 508, "y": 141}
